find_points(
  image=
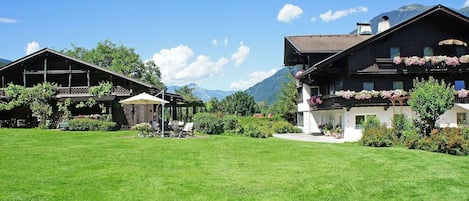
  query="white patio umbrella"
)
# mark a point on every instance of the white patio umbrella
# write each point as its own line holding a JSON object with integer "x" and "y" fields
{"x": 144, "y": 99}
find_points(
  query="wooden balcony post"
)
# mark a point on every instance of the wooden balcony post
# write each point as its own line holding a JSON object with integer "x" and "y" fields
{"x": 70, "y": 78}
{"x": 45, "y": 70}
{"x": 24, "y": 76}
{"x": 88, "y": 77}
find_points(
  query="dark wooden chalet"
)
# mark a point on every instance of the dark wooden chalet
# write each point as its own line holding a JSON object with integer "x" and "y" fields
{"x": 74, "y": 78}
{"x": 366, "y": 62}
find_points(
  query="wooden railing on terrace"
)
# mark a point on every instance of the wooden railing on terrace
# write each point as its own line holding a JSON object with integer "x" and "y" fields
{"x": 82, "y": 91}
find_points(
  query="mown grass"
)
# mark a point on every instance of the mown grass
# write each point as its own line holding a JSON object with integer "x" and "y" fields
{"x": 55, "y": 165}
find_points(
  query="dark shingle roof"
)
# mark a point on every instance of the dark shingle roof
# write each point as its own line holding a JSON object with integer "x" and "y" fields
{"x": 325, "y": 43}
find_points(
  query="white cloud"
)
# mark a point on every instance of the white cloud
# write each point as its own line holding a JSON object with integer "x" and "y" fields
{"x": 288, "y": 13}
{"x": 225, "y": 42}
{"x": 241, "y": 54}
{"x": 330, "y": 16}
{"x": 215, "y": 42}
{"x": 254, "y": 78}
{"x": 466, "y": 4}
{"x": 7, "y": 20}
{"x": 32, "y": 47}
{"x": 177, "y": 67}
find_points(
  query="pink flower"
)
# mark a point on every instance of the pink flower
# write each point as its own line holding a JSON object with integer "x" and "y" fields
{"x": 397, "y": 60}
{"x": 318, "y": 100}
{"x": 452, "y": 61}
{"x": 387, "y": 94}
{"x": 298, "y": 74}
{"x": 462, "y": 93}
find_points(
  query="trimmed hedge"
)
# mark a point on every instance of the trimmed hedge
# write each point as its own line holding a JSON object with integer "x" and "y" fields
{"x": 86, "y": 124}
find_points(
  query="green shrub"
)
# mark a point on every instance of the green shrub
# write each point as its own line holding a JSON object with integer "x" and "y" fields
{"x": 208, "y": 123}
{"x": 231, "y": 124}
{"x": 400, "y": 123}
{"x": 256, "y": 131}
{"x": 447, "y": 140}
{"x": 86, "y": 124}
{"x": 283, "y": 127}
{"x": 377, "y": 137}
{"x": 410, "y": 138}
{"x": 144, "y": 130}
{"x": 371, "y": 121}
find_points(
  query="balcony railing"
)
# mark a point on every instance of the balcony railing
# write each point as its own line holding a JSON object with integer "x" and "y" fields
{"x": 338, "y": 102}
{"x": 428, "y": 66}
{"x": 82, "y": 91}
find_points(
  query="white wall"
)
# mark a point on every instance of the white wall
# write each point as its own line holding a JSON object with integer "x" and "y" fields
{"x": 351, "y": 133}
{"x": 449, "y": 117}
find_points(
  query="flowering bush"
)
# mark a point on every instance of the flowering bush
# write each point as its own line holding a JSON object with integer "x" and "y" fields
{"x": 452, "y": 61}
{"x": 464, "y": 59}
{"x": 315, "y": 100}
{"x": 414, "y": 60}
{"x": 462, "y": 93}
{"x": 433, "y": 60}
{"x": 364, "y": 94}
{"x": 345, "y": 94}
{"x": 298, "y": 74}
{"x": 397, "y": 60}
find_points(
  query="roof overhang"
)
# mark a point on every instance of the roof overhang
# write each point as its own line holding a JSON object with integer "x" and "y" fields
{"x": 463, "y": 105}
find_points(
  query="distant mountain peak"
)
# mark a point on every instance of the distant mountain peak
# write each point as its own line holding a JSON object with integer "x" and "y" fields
{"x": 413, "y": 7}
{"x": 203, "y": 94}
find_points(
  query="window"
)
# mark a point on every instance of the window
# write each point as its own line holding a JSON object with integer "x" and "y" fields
{"x": 397, "y": 85}
{"x": 460, "y": 50}
{"x": 359, "y": 119}
{"x": 314, "y": 90}
{"x": 299, "y": 119}
{"x": 368, "y": 86}
{"x": 299, "y": 95}
{"x": 427, "y": 51}
{"x": 394, "y": 52}
{"x": 339, "y": 85}
{"x": 461, "y": 118}
{"x": 459, "y": 84}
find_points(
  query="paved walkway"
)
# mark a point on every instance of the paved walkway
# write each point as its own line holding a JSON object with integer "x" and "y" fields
{"x": 308, "y": 138}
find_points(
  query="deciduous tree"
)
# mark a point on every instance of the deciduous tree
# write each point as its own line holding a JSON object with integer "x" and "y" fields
{"x": 430, "y": 99}
{"x": 120, "y": 59}
{"x": 285, "y": 105}
{"x": 239, "y": 103}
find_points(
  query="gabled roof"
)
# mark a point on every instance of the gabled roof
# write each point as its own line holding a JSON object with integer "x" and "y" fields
{"x": 47, "y": 50}
{"x": 341, "y": 54}
{"x": 324, "y": 43}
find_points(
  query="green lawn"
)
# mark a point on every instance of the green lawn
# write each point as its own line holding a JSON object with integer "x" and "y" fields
{"x": 55, "y": 165}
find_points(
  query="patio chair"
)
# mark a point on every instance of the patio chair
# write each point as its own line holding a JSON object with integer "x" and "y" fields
{"x": 175, "y": 130}
{"x": 155, "y": 127}
{"x": 188, "y": 129}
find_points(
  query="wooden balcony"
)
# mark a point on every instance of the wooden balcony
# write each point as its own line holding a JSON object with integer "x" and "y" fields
{"x": 83, "y": 91}
{"x": 80, "y": 91}
{"x": 337, "y": 102}
{"x": 387, "y": 63}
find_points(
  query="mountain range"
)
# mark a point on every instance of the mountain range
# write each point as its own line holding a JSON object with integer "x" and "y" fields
{"x": 4, "y": 62}
{"x": 203, "y": 94}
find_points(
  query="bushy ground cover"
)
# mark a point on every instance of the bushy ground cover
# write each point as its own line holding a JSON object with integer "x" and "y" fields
{"x": 68, "y": 165}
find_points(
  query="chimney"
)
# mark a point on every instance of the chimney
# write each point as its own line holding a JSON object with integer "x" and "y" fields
{"x": 364, "y": 28}
{"x": 384, "y": 24}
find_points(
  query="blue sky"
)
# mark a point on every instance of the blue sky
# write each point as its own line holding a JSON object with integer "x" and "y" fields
{"x": 228, "y": 45}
